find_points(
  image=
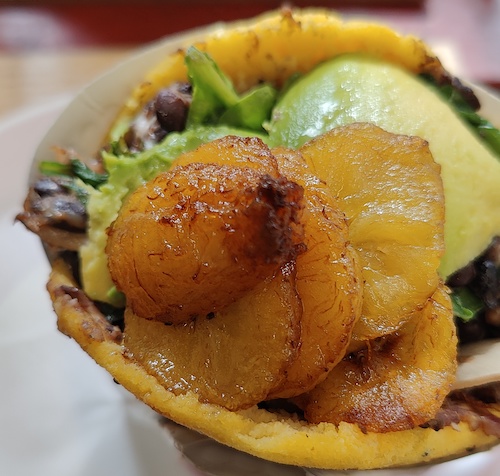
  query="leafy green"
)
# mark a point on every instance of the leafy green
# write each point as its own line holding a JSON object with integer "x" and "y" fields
{"x": 119, "y": 147}
{"x": 252, "y": 110}
{"x": 489, "y": 133}
{"x": 86, "y": 174}
{"x": 213, "y": 92}
{"x": 485, "y": 129}
{"x": 116, "y": 297}
{"x": 50, "y": 167}
{"x": 215, "y": 100}
{"x": 74, "y": 168}
{"x": 466, "y": 304}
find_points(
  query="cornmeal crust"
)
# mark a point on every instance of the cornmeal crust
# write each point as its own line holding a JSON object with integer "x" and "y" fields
{"x": 277, "y": 45}
{"x": 272, "y": 48}
{"x": 275, "y": 437}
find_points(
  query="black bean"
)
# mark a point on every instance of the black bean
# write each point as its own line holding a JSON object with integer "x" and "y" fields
{"x": 172, "y": 106}
{"x": 463, "y": 276}
{"x": 145, "y": 131}
{"x": 493, "y": 252}
{"x": 471, "y": 331}
{"x": 492, "y": 317}
{"x": 488, "y": 283}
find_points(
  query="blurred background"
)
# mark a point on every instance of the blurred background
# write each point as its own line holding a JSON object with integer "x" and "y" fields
{"x": 55, "y": 47}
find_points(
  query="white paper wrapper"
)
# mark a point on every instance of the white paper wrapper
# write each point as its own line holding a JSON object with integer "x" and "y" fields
{"x": 60, "y": 413}
{"x": 87, "y": 118}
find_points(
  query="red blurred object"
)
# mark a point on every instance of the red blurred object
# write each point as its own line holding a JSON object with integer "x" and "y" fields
{"x": 36, "y": 25}
{"x": 468, "y": 28}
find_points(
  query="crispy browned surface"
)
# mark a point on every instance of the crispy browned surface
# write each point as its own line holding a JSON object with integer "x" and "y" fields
{"x": 197, "y": 238}
{"x": 399, "y": 381}
{"x": 79, "y": 317}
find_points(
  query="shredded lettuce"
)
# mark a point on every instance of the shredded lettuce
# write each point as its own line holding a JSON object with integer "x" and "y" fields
{"x": 252, "y": 110}
{"x": 213, "y": 92}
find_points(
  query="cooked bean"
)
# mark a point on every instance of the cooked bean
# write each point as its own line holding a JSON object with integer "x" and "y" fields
{"x": 172, "y": 106}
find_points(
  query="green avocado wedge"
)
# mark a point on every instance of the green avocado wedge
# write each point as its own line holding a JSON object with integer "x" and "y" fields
{"x": 354, "y": 88}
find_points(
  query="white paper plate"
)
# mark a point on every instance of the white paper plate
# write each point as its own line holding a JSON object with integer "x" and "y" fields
{"x": 62, "y": 415}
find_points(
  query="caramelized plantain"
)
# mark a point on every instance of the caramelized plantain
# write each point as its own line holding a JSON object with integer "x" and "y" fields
{"x": 212, "y": 247}
{"x": 399, "y": 381}
{"x": 198, "y": 237}
{"x": 236, "y": 357}
{"x": 328, "y": 281}
{"x": 391, "y": 191}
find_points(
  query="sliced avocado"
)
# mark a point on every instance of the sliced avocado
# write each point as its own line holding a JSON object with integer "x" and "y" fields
{"x": 354, "y": 88}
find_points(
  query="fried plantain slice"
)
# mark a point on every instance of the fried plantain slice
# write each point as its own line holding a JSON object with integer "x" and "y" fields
{"x": 198, "y": 237}
{"x": 399, "y": 381}
{"x": 234, "y": 358}
{"x": 392, "y": 194}
{"x": 328, "y": 280}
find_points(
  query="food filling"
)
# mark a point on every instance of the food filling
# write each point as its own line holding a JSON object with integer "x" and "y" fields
{"x": 212, "y": 210}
